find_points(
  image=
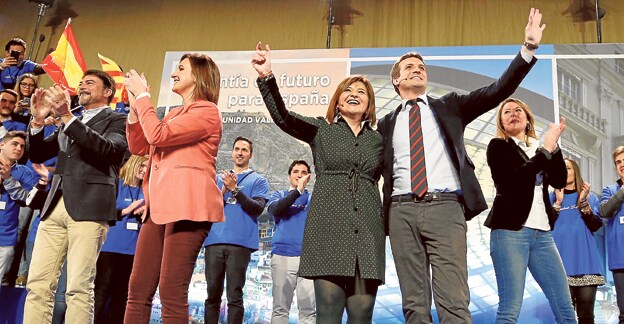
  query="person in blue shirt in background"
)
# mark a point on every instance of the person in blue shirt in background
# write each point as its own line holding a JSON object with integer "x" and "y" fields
{"x": 229, "y": 244}
{"x": 290, "y": 209}
{"x": 17, "y": 181}
{"x": 12, "y": 67}
{"x": 611, "y": 208}
{"x": 576, "y": 209}
{"x": 114, "y": 263}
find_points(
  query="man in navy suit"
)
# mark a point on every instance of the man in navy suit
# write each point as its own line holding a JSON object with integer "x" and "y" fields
{"x": 427, "y": 226}
{"x": 81, "y": 199}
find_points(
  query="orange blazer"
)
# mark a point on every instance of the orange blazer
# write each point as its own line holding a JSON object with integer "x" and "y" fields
{"x": 181, "y": 180}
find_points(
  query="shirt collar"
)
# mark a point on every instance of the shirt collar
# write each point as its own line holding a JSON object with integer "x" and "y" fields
{"x": 522, "y": 143}
{"x": 363, "y": 123}
{"x": 90, "y": 113}
{"x": 422, "y": 97}
{"x": 244, "y": 171}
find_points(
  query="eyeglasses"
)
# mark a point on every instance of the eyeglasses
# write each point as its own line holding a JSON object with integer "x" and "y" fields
{"x": 27, "y": 85}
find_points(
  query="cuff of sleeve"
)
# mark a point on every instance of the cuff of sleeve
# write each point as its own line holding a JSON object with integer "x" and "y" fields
{"x": 69, "y": 123}
{"x": 528, "y": 57}
{"x": 35, "y": 130}
{"x": 546, "y": 153}
{"x": 143, "y": 94}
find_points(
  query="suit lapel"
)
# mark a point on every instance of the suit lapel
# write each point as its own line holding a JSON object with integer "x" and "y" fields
{"x": 392, "y": 122}
{"x": 98, "y": 118}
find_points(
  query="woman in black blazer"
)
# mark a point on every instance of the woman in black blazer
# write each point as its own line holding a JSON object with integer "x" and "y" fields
{"x": 521, "y": 218}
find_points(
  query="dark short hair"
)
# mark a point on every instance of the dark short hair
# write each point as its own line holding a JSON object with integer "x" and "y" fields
{"x": 13, "y": 134}
{"x": 396, "y": 67}
{"x": 10, "y": 91}
{"x": 15, "y": 41}
{"x": 107, "y": 80}
{"x": 245, "y": 139}
{"x": 296, "y": 162}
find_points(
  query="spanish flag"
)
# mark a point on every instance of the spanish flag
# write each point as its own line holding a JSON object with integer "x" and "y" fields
{"x": 66, "y": 65}
{"x": 109, "y": 66}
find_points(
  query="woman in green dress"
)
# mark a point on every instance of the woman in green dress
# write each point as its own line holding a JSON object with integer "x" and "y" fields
{"x": 344, "y": 242}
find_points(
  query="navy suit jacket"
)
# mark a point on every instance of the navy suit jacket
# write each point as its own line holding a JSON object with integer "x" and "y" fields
{"x": 89, "y": 169}
{"x": 453, "y": 112}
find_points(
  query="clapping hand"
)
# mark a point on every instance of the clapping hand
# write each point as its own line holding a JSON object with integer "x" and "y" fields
{"x": 558, "y": 196}
{"x": 303, "y": 182}
{"x": 5, "y": 168}
{"x": 552, "y": 135}
{"x": 584, "y": 191}
{"x": 41, "y": 170}
{"x": 229, "y": 180}
{"x": 39, "y": 109}
{"x": 135, "y": 83}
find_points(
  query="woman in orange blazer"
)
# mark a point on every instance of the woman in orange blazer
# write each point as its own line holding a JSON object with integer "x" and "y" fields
{"x": 180, "y": 188}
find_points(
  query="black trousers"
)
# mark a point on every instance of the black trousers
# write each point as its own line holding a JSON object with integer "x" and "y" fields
{"x": 227, "y": 262}
{"x": 111, "y": 287}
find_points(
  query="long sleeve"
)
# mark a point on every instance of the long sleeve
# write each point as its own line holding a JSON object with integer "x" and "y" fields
{"x": 611, "y": 203}
{"x": 300, "y": 127}
{"x": 280, "y": 206}
{"x": 200, "y": 120}
{"x": 111, "y": 143}
{"x": 252, "y": 206}
{"x": 19, "y": 184}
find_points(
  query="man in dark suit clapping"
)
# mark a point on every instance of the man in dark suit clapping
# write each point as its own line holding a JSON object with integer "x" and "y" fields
{"x": 81, "y": 200}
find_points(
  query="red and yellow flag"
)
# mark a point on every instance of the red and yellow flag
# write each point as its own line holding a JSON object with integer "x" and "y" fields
{"x": 109, "y": 66}
{"x": 66, "y": 65}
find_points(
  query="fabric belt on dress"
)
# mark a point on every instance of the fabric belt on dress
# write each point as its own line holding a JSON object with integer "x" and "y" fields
{"x": 354, "y": 175}
{"x": 427, "y": 197}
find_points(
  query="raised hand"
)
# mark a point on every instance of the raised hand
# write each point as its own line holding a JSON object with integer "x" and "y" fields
{"x": 533, "y": 30}
{"x": 261, "y": 60}
{"x": 8, "y": 61}
{"x": 552, "y": 135}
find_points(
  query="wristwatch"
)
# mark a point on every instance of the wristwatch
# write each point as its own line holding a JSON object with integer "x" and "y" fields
{"x": 236, "y": 191}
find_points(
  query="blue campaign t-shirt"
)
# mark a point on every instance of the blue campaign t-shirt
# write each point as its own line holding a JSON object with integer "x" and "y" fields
{"x": 11, "y": 125}
{"x": 9, "y": 76}
{"x": 239, "y": 227}
{"x": 122, "y": 237}
{"x": 9, "y": 214}
{"x": 290, "y": 225}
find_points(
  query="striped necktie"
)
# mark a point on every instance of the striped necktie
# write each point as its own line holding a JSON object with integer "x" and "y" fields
{"x": 418, "y": 169}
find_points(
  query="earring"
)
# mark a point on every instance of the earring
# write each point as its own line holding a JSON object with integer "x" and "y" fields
{"x": 528, "y": 128}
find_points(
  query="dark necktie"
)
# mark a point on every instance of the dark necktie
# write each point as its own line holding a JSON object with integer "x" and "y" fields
{"x": 418, "y": 170}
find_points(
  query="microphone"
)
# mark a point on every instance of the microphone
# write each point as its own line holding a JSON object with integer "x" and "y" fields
{"x": 41, "y": 39}
{"x": 401, "y": 80}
